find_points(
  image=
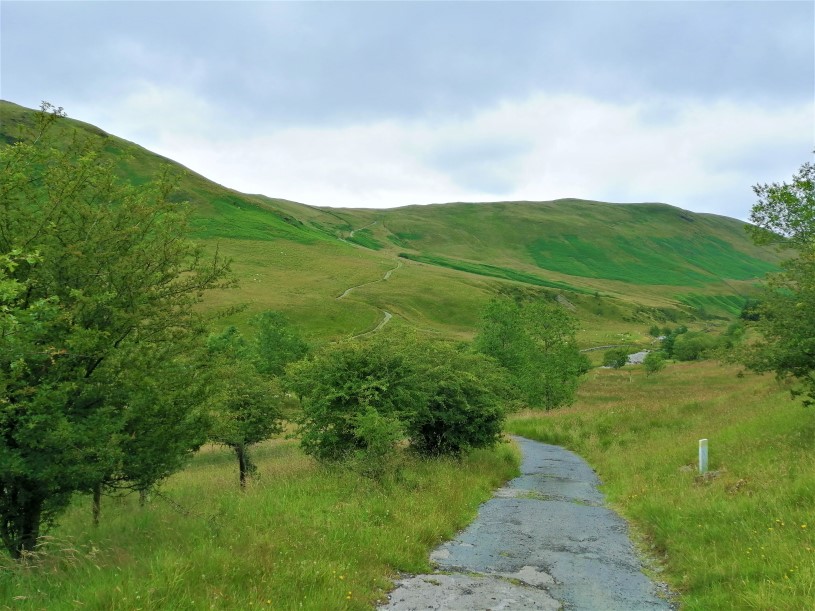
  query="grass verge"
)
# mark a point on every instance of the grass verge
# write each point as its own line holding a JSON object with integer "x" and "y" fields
{"x": 741, "y": 538}
{"x": 301, "y": 537}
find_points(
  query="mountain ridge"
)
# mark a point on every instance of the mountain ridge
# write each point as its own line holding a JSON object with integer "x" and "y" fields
{"x": 619, "y": 263}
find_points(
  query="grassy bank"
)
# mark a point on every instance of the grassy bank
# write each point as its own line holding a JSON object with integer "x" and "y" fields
{"x": 301, "y": 537}
{"x": 740, "y": 539}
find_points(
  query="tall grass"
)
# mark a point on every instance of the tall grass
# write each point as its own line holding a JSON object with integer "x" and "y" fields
{"x": 740, "y": 538}
{"x": 301, "y": 537}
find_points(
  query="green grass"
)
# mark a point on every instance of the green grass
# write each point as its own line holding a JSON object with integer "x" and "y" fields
{"x": 740, "y": 540}
{"x": 300, "y": 537}
{"x": 729, "y": 305}
{"x": 675, "y": 260}
{"x": 364, "y": 237}
{"x": 491, "y": 271}
{"x": 641, "y": 258}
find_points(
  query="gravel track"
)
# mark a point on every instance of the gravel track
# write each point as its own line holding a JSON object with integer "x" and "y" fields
{"x": 544, "y": 541}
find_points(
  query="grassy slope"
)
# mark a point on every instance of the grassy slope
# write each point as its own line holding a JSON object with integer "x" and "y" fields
{"x": 648, "y": 262}
{"x": 300, "y": 536}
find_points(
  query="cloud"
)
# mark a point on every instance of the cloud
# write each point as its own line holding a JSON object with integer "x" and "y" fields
{"x": 543, "y": 147}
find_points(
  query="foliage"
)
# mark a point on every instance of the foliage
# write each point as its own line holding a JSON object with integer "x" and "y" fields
{"x": 535, "y": 342}
{"x": 344, "y": 382}
{"x": 359, "y": 395}
{"x": 276, "y": 343}
{"x": 245, "y": 404}
{"x": 653, "y": 362}
{"x": 615, "y": 358}
{"x": 785, "y": 215}
{"x": 654, "y": 331}
{"x": 96, "y": 322}
{"x": 464, "y": 401}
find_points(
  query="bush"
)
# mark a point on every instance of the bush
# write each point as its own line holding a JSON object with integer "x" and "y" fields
{"x": 361, "y": 397}
{"x": 615, "y": 358}
{"x": 654, "y": 362}
{"x": 463, "y": 406}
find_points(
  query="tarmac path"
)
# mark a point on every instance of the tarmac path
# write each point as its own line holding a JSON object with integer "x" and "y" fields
{"x": 544, "y": 541}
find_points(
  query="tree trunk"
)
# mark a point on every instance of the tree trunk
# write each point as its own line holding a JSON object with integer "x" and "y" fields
{"x": 244, "y": 466}
{"x": 21, "y": 530}
{"x": 142, "y": 497}
{"x": 97, "y": 503}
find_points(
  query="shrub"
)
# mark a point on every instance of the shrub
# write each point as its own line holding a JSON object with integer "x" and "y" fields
{"x": 615, "y": 358}
{"x": 361, "y": 397}
{"x": 654, "y": 362}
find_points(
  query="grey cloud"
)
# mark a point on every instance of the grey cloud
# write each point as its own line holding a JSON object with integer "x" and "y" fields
{"x": 344, "y": 62}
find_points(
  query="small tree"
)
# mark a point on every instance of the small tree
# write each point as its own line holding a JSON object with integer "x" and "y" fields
{"x": 464, "y": 404}
{"x": 784, "y": 215}
{"x": 276, "y": 343}
{"x": 535, "y": 343}
{"x": 653, "y": 362}
{"x": 342, "y": 385}
{"x": 246, "y": 405}
{"x": 362, "y": 397}
{"x": 99, "y": 289}
{"x": 615, "y": 358}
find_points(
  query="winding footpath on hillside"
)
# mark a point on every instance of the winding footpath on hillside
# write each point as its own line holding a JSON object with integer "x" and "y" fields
{"x": 386, "y": 315}
{"x": 544, "y": 541}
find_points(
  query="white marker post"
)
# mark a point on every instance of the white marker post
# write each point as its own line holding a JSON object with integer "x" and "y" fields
{"x": 703, "y": 456}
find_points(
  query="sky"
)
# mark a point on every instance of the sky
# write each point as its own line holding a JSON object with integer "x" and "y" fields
{"x": 383, "y": 104}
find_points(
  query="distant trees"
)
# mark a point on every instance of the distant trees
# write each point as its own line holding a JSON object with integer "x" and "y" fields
{"x": 653, "y": 362}
{"x": 98, "y": 285}
{"x": 615, "y": 358}
{"x": 784, "y": 215}
{"x": 535, "y": 342}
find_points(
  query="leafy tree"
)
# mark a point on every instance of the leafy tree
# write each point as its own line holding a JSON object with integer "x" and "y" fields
{"x": 246, "y": 405}
{"x": 784, "y": 215}
{"x": 276, "y": 344}
{"x": 615, "y": 358}
{"x": 362, "y": 397}
{"x": 653, "y": 362}
{"x": 342, "y": 385}
{"x": 694, "y": 346}
{"x": 654, "y": 331}
{"x": 535, "y": 342}
{"x": 464, "y": 402}
{"x": 99, "y": 286}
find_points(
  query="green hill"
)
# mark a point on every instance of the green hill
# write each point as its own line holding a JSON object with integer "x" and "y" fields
{"x": 620, "y": 267}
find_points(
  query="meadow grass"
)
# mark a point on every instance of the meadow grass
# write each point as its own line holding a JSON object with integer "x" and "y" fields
{"x": 302, "y": 536}
{"x": 741, "y": 538}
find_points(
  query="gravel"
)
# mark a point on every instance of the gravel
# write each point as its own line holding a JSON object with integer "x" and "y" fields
{"x": 544, "y": 541}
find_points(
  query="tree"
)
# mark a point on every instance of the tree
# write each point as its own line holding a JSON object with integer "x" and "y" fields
{"x": 653, "y": 362}
{"x": 347, "y": 387}
{"x": 535, "y": 342}
{"x": 362, "y": 397}
{"x": 276, "y": 344}
{"x": 784, "y": 215}
{"x": 98, "y": 293}
{"x": 246, "y": 404}
{"x": 615, "y": 358}
{"x": 465, "y": 394}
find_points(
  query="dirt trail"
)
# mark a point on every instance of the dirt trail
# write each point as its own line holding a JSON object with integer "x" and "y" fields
{"x": 544, "y": 541}
{"x": 386, "y": 315}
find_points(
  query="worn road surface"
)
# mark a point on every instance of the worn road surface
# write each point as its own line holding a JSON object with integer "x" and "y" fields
{"x": 544, "y": 541}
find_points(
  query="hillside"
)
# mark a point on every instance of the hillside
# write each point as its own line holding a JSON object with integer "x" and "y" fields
{"x": 621, "y": 267}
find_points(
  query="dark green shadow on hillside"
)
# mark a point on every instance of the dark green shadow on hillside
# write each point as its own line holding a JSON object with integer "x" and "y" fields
{"x": 493, "y": 271}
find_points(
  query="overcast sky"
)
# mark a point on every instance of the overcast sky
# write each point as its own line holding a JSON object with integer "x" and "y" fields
{"x": 382, "y": 104}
